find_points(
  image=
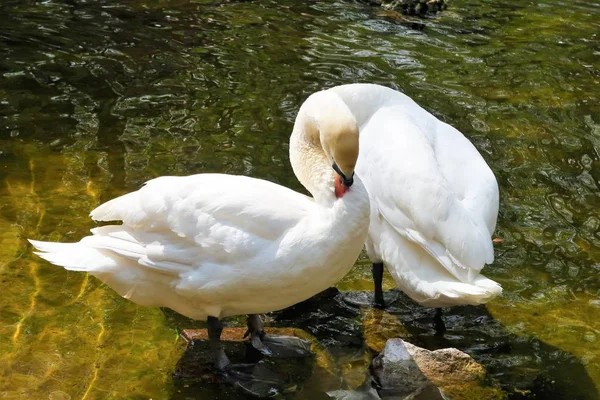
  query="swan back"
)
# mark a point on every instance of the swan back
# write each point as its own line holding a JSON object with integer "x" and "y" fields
{"x": 428, "y": 185}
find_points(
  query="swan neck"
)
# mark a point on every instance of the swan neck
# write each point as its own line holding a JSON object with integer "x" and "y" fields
{"x": 309, "y": 161}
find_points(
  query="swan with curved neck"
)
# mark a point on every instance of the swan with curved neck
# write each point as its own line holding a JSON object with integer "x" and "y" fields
{"x": 324, "y": 113}
{"x": 434, "y": 200}
{"x": 211, "y": 246}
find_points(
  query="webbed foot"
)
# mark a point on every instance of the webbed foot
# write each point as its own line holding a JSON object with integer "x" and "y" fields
{"x": 256, "y": 330}
{"x": 287, "y": 346}
{"x": 378, "y": 299}
{"x": 277, "y": 346}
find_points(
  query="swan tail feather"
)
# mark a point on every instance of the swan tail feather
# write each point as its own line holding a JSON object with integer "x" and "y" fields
{"x": 72, "y": 256}
{"x": 449, "y": 294}
{"x": 425, "y": 280}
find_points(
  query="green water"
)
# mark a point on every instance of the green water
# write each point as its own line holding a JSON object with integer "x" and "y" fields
{"x": 98, "y": 97}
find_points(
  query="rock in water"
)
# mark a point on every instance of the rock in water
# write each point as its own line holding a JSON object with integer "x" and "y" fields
{"x": 411, "y": 7}
{"x": 405, "y": 371}
{"x": 399, "y": 376}
{"x": 291, "y": 364}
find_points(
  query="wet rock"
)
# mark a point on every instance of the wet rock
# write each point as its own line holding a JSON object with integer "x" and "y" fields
{"x": 446, "y": 366}
{"x": 327, "y": 317}
{"x": 336, "y": 326}
{"x": 411, "y": 7}
{"x": 405, "y": 318}
{"x": 283, "y": 342}
{"x": 405, "y": 371}
{"x": 345, "y": 337}
{"x": 398, "y": 375}
{"x": 401, "y": 19}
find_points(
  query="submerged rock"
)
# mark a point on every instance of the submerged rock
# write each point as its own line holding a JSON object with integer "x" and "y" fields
{"x": 412, "y": 7}
{"x": 405, "y": 371}
{"x": 328, "y": 318}
{"x": 399, "y": 376}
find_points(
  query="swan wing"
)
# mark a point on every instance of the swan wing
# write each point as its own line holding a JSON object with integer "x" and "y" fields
{"x": 191, "y": 207}
{"x": 200, "y": 236}
{"x": 429, "y": 183}
{"x": 468, "y": 175}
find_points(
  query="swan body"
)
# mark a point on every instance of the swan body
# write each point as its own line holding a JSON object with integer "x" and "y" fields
{"x": 434, "y": 200}
{"x": 218, "y": 245}
{"x": 215, "y": 245}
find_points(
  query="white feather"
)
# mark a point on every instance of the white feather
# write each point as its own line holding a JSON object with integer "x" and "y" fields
{"x": 221, "y": 245}
{"x": 434, "y": 200}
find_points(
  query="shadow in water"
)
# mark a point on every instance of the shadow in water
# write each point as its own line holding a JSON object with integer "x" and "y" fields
{"x": 251, "y": 375}
{"x": 524, "y": 367}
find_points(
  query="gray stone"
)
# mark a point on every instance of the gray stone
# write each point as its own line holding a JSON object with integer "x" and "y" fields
{"x": 407, "y": 372}
{"x": 399, "y": 376}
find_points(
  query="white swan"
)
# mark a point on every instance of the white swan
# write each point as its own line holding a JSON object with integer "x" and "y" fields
{"x": 211, "y": 245}
{"x": 434, "y": 200}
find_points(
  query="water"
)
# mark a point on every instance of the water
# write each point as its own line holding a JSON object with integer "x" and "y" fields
{"x": 98, "y": 97}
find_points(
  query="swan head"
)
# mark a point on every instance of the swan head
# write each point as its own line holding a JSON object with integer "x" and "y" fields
{"x": 324, "y": 145}
{"x": 339, "y": 140}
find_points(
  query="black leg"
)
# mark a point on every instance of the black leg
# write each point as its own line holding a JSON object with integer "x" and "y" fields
{"x": 377, "y": 280}
{"x": 438, "y": 322}
{"x": 256, "y": 330}
{"x": 244, "y": 376}
{"x": 215, "y": 328}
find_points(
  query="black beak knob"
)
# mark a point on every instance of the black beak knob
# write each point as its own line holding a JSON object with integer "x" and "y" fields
{"x": 347, "y": 181}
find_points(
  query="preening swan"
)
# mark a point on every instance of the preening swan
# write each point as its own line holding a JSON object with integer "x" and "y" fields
{"x": 434, "y": 200}
{"x": 211, "y": 245}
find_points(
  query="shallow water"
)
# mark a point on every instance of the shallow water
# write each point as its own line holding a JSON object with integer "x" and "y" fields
{"x": 98, "y": 97}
